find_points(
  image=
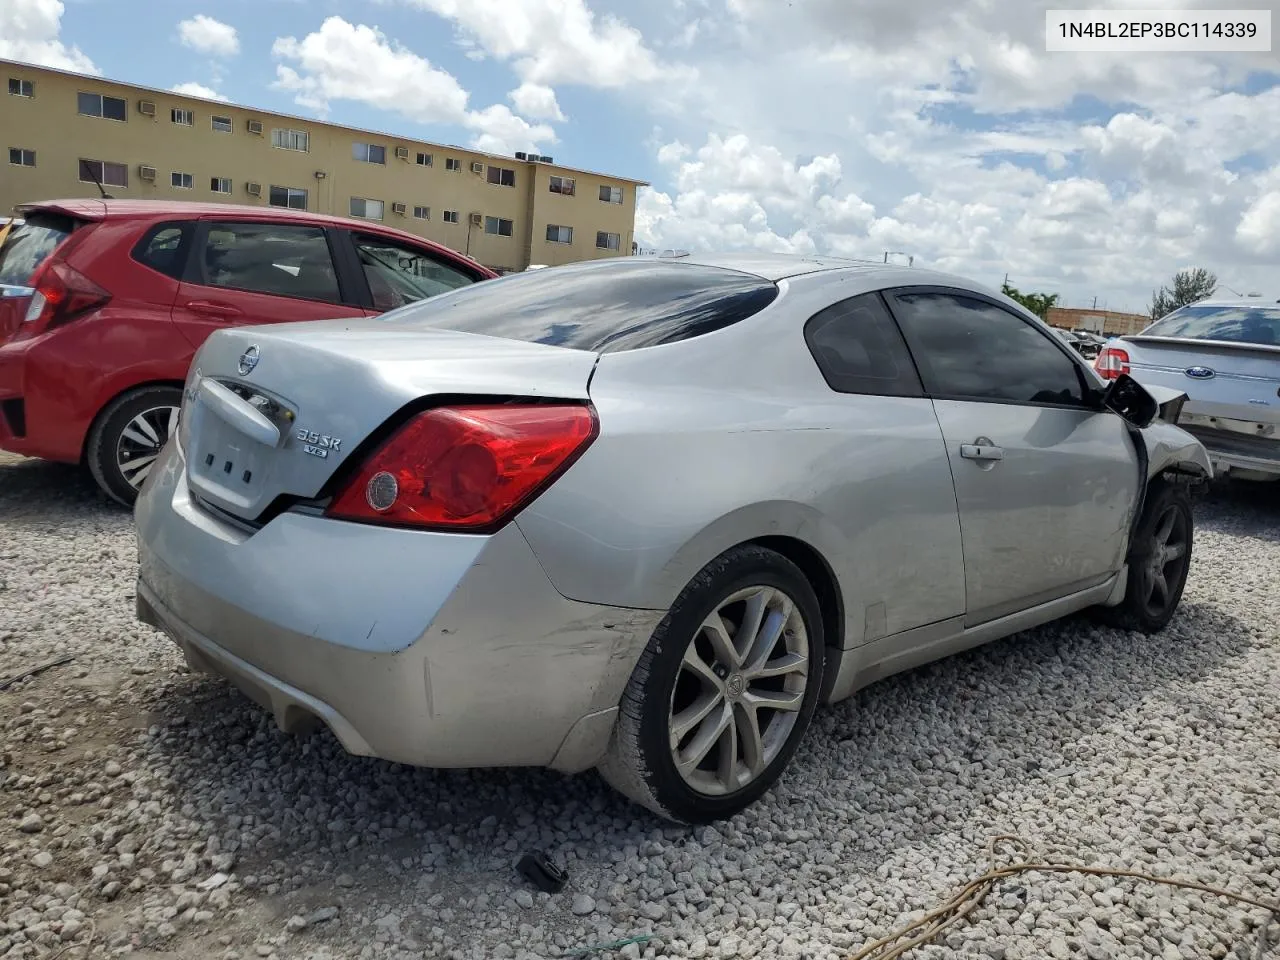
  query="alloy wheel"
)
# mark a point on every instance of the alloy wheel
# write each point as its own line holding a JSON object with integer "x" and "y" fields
{"x": 141, "y": 441}
{"x": 1167, "y": 561}
{"x": 739, "y": 690}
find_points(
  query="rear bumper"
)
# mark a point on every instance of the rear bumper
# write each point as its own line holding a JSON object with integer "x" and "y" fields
{"x": 33, "y": 421}
{"x": 427, "y": 649}
{"x": 1236, "y": 446}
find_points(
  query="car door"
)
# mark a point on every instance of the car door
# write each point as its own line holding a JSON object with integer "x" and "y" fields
{"x": 888, "y": 484}
{"x": 1045, "y": 480}
{"x": 398, "y": 272}
{"x": 259, "y": 271}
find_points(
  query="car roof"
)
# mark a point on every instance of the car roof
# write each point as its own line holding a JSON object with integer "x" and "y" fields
{"x": 1253, "y": 302}
{"x": 780, "y": 266}
{"x": 94, "y": 209}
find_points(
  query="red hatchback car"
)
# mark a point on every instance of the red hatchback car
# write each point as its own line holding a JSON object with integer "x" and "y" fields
{"x": 103, "y": 303}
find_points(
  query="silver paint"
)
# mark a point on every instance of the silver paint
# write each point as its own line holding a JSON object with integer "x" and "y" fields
{"x": 460, "y": 650}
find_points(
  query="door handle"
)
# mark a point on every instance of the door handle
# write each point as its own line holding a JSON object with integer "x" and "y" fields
{"x": 982, "y": 450}
{"x": 213, "y": 309}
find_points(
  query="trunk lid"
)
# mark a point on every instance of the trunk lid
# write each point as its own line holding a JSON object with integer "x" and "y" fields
{"x": 274, "y": 411}
{"x": 1238, "y": 381}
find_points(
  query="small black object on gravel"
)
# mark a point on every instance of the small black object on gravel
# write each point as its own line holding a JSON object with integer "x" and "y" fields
{"x": 539, "y": 870}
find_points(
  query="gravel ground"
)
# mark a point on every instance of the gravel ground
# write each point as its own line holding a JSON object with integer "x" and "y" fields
{"x": 152, "y": 811}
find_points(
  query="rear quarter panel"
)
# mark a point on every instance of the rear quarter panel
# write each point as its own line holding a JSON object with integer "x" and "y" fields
{"x": 734, "y": 436}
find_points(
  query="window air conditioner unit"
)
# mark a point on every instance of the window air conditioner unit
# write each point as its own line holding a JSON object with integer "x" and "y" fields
{"x": 147, "y": 108}
{"x": 255, "y": 127}
{"x": 545, "y": 159}
{"x": 522, "y": 156}
{"x": 253, "y": 189}
{"x": 477, "y": 167}
{"x": 402, "y": 153}
{"x": 398, "y": 208}
{"x": 146, "y": 173}
{"x": 477, "y": 219}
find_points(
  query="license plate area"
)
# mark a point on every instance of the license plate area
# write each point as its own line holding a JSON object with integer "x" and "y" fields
{"x": 223, "y": 464}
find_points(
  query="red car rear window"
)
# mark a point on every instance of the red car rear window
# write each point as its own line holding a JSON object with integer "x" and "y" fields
{"x": 28, "y": 245}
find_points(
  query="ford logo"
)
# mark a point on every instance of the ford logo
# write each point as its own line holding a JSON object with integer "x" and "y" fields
{"x": 249, "y": 360}
{"x": 1199, "y": 373}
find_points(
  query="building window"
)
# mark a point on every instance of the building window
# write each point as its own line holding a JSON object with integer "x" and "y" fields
{"x": 502, "y": 176}
{"x": 611, "y": 194}
{"x": 498, "y": 227}
{"x": 105, "y": 172}
{"x": 451, "y": 216}
{"x": 452, "y": 163}
{"x": 607, "y": 241}
{"x": 366, "y": 209}
{"x": 182, "y": 181}
{"x": 557, "y": 234}
{"x": 369, "y": 152}
{"x": 21, "y": 88}
{"x": 221, "y": 124}
{"x": 183, "y": 118}
{"x": 97, "y": 105}
{"x": 220, "y": 184}
{"x": 22, "y": 158}
{"x": 298, "y": 140}
{"x": 424, "y": 160}
{"x": 565, "y": 186}
{"x": 422, "y": 213}
{"x": 290, "y": 197}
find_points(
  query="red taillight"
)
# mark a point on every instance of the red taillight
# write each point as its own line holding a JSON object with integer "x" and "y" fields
{"x": 1112, "y": 362}
{"x": 62, "y": 293}
{"x": 466, "y": 468}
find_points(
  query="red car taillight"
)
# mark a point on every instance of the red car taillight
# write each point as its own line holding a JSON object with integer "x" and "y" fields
{"x": 1112, "y": 362}
{"x": 62, "y": 293}
{"x": 466, "y": 468}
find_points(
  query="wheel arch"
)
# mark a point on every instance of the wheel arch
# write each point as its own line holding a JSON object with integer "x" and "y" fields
{"x": 822, "y": 578}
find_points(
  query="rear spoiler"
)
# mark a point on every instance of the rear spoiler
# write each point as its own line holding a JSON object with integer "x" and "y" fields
{"x": 1203, "y": 344}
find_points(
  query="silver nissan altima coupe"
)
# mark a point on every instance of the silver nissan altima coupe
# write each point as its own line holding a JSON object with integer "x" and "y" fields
{"x": 644, "y": 514}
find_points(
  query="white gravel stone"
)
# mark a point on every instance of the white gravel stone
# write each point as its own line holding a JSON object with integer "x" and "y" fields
{"x": 177, "y": 817}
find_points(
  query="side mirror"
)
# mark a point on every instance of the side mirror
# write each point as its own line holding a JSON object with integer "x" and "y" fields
{"x": 1128, "y": 398}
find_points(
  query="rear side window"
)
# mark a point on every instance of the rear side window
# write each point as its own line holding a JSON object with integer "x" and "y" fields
{"x": 1229, "y": 324}
{"x": 605, "y": 306}
{"x": 859, "y": 349}
{"x": 161, "y": 248}
{"x": 280, "y": 259}
{"x": 28, "y": 245}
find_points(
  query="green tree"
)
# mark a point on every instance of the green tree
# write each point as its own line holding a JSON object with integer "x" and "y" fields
{"x": 1189, "y": 286}
{"x": 1037, "y": 303}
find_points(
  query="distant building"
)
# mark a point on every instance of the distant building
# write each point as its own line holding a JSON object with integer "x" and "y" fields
{"x": 63, "y": 130}
{"x": 1099, "y": 321}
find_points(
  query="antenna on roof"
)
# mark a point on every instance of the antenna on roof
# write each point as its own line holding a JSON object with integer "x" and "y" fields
{"x": 84, "y": 165}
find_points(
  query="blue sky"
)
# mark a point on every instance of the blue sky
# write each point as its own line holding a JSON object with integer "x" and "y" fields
{"x": 840, "y": 126}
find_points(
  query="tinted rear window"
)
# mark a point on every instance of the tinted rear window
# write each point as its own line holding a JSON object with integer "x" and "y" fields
{"x": 27, "y": 246}
{"x": 1232, "y": 324}
{"x": 604, "y": 306}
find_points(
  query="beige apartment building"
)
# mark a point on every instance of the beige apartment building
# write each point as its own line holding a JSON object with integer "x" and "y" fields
{"x": 61, "y": 131}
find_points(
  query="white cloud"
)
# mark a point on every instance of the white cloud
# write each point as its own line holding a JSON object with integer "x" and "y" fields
{"x": 345, "y": 61}
{"x": 537, "y": 102}
{"x": 209, "y": 36}
{"x": 191, "y": 89}
{"x": 555, "y": 41}
{"x": 860, "y": 126}
{"x": 29, "y": 32}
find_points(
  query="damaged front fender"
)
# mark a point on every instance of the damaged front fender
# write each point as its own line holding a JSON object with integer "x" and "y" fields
{"x": 1169, "y": 447}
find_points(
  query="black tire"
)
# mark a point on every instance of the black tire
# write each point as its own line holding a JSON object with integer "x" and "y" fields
{"x": 108, "y": 446}
{"x": 639, "y": 762}
{"x": 1147, "y": 608}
